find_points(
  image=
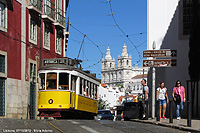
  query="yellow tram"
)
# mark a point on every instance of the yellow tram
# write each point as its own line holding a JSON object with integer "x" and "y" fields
{"x": 65, "y": 90}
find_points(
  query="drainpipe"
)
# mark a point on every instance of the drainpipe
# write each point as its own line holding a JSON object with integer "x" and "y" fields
{"x": 40, "y": 40}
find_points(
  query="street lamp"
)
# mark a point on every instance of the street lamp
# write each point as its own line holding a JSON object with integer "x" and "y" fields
{"x": 153, "y": 84}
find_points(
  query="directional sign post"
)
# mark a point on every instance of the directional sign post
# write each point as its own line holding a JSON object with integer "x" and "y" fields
{"x": 159, "y": 63}
{"x": 159, "y": 53}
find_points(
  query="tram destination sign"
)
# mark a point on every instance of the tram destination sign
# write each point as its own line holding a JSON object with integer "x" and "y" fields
{"x": 66, "y": 61}
{"x": 159, "y": 63}
{"x": 159, "y": 53}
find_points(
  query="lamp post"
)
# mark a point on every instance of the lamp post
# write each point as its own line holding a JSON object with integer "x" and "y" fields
{"x": 153, "y": 84}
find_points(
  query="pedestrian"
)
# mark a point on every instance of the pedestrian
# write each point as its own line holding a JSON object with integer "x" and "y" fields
{"x": 122, "y": 116}
{"x": 179, "y": 90}
{"x": 144, "y": 97}
{"x": 162, "y": 97}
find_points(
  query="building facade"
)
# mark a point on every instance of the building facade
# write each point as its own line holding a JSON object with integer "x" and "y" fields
{"x": 110, "y": 95}
{"x": 29, "y": 32}
{"x": 123, "y": 73}
{"x": 170, "y": 29}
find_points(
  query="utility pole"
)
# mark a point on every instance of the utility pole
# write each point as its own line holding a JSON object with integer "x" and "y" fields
{"x": 153, "y": 85}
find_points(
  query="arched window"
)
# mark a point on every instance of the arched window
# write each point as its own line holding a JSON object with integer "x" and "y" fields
{"x": 127, "y": 62}
{"x": 110, "y": 64}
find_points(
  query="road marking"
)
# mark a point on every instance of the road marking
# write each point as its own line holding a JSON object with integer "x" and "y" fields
{"x": 74, "y": 122}
{"x": 89, "y": 129}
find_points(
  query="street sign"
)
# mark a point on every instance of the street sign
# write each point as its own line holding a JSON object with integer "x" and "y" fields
{"x": 159, "y": 63}
{"x": 159, "y": 53}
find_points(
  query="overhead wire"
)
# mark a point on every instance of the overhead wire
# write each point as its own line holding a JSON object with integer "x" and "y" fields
{"x": 81, "y": 46}
{"x": 124, "y": 32}
{"x": 95, "y": 24}
{"x": 74, "y": 40}
{"x": 116, "y": 24}
{"x": 95, "y": 1}
{"x": 138, "y": 45}
{"x": 88, "y": 39}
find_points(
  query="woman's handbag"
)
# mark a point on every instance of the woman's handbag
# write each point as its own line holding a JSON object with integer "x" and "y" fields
{"x": 178, "y": 98}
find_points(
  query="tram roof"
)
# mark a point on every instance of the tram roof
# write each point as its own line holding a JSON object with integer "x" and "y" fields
{"x": 67, "y": 67}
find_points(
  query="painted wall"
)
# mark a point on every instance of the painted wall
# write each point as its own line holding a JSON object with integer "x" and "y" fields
{"x": 10, "y": 41}
{"x": 164, "y": 27}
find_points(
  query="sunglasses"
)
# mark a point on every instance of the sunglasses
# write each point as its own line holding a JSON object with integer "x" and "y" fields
{"x": 178, "y": 83}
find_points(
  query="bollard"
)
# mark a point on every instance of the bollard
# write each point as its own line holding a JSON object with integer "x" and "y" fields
{"x": 188, "y": 113}
{"x": 158, "y": 111}
{"x": 146, "y": 110}
{"x": 170, "y": 111}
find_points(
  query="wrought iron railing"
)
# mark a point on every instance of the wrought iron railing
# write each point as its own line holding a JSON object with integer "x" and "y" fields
{"x": 59, "y": 16}
{"x": 37, "y": 4}
{"x": 49, "y": 9}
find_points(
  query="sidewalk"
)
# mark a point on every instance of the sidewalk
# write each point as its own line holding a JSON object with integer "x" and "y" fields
{"x": 178, "y": 124}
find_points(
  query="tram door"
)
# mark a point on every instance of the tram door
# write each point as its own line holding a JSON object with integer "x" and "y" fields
{"x": 32, "y": 105}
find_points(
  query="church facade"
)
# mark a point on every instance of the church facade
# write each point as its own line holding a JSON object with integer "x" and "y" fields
{"x": 122, "y": 73}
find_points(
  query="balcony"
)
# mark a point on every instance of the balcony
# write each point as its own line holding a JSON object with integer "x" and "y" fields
{"x": 36, "y": 6}
{"x": 60, "y": 19}
{"x": 49, "y": 11}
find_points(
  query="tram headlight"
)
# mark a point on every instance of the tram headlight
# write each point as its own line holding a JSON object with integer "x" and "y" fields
{"x": 50, "y": 101}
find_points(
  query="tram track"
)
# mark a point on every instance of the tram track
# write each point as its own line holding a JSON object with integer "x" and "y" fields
{"x": 55, "y": 127}
{"x": 30, "y": 128}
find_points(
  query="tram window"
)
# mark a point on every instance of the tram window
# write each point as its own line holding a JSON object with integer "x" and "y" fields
{"x": 89, "y": 89}
{"x": 64, "y": 81}
{"x": 42, "y": 81}
{"x": 95, "y": 92}
{"x": 81, "y": 86}
{"x": 86, "y": 88}
{"x": 51, "y": 80}
{"x": 92, "y": 90}
{"x": 73, "y": 83}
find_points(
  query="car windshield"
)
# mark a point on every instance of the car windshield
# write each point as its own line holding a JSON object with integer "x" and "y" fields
{"x": 104, "y": 112}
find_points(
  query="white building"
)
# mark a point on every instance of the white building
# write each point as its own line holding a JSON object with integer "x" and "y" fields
{"x": 123, "y": 73}
{"x": 110, "y": 94}
{"x": 169, "y": 26}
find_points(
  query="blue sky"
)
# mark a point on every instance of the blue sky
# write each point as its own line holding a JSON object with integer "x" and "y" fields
{"x": 94, "y": 18}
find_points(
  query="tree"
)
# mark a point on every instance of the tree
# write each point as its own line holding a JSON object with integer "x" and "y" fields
{"x": 120, "y": 85}
{"x": 102, "y": 104}
{"x": 194, "y": 41}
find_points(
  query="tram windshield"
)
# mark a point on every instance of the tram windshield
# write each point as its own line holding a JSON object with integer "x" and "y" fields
{"x": 51, "y": 81}
{"x": 64, "y": 81}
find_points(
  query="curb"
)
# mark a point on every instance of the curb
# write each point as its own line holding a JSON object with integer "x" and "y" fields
{"x": 167, "y": 125}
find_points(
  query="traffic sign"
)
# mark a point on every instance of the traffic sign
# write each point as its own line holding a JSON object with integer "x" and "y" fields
{"x": 159, "y": 53}
{"x": 159, "y": 63}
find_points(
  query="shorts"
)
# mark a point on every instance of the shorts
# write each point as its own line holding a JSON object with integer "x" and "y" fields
{"x": 162, "y": 101}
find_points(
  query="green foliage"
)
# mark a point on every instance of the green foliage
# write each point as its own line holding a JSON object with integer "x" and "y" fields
{"x": 102, "y": 104}
{"x": 119, "y": 85}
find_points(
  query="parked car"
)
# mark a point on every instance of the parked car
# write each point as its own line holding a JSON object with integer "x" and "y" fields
{"x": 104, "y": 115}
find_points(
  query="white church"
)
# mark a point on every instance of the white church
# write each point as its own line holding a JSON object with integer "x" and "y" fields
{"x": 124, "y": 73}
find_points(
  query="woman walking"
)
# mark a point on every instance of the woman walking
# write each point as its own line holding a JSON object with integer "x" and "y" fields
{"x": 162, "y": 97}
{"x": 179, "y": 90}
